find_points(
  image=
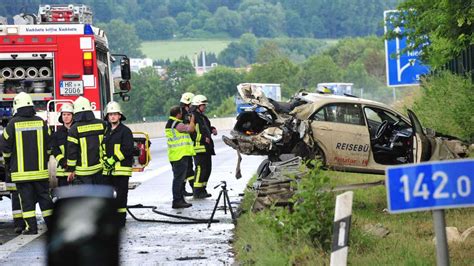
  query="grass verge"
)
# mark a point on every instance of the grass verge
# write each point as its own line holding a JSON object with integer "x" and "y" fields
{"x": 410, "y": 241}
{"x": 175, "y": 49}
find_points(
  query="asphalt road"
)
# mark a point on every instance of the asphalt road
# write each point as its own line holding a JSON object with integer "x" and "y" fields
{"x": 144, "y": 243}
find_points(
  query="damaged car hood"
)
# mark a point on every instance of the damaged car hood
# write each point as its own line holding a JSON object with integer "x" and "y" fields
{"x": 253, "y": 94}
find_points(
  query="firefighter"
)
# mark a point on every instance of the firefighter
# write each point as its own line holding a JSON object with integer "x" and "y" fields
{"x": 26, "y": 140}
{"x": 84, "y": 161}
{"x": 59, "y": 143}
{"x": 118, "y": 152}
{"x": 185, "y": 103}
{"x": 180, "y": 147}
{"x": 203, "y": 146}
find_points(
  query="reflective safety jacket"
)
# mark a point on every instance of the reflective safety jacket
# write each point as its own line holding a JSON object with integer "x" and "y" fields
{"x": 26, "y": 147}
{"x": 84, "y": 150}
{"x": 58, "y": 148}
{"x": 203, "y": 131}
{"x": 179, "y": 143}
{"x": 118, "y": 143}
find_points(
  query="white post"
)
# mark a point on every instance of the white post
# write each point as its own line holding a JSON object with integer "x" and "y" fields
{"x": 203, "y": 61}
{"x": 342, "y": 226}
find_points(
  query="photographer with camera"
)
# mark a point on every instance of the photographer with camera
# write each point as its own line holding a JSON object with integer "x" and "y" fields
{"x": 180, "y": 148}
{"x": 203, "y": 146}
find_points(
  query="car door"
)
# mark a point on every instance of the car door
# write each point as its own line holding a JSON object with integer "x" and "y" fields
{"x": 421, "y": 144}
{"x": 340, "y": 128}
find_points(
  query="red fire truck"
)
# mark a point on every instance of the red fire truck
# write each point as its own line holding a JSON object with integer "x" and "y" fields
{"x": 56, "y": 56}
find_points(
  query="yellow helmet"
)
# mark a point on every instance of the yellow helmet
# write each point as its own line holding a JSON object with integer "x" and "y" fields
{"x": 187, "y": 97}
{"x": 22, "y": 100}
{"x": 199, "y": 99}
{"x": 82, "y": 104}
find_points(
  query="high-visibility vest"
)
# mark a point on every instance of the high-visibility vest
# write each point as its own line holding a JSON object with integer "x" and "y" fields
{"x": 179, "y": 144}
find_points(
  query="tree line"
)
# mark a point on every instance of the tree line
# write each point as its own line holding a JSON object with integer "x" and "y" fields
{"x": 356, "y": 60}
{"x": 164, "y": 19}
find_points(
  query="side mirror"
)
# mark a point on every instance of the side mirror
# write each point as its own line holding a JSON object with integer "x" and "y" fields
{"x": 125, "y": 68}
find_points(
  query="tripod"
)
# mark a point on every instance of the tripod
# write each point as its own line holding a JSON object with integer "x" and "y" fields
{"x": 223, "y": 191}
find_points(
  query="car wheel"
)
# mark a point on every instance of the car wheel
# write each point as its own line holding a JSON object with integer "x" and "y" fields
{"x": 263, "y": 169}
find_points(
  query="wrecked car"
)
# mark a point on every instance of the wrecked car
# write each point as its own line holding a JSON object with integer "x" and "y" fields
{"x": 343, "y": 132}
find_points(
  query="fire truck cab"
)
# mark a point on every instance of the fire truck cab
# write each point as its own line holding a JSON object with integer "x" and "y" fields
{"x": 56, "y": 56}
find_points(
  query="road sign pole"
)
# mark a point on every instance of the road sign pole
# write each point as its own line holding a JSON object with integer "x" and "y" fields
{"x": 442, "y": 253}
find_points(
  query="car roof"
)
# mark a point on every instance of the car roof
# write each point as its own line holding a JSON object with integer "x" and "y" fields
{"x": 318, "y": 100}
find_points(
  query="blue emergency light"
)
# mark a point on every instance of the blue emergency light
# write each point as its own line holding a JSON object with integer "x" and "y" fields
{"x": 88, "y": 29}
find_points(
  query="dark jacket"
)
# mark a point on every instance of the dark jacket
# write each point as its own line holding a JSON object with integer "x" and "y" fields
{"x": 203, "y": 131}
{"x": 118, "y": 143}
{"x": 59, "y": 150}
{"x": 83, "y": 147}
{"x": 26, "y": 150}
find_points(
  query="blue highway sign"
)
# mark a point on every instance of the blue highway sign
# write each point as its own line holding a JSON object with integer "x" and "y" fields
{"x": 403, "y": 69}
{"x": 429, "y": 186}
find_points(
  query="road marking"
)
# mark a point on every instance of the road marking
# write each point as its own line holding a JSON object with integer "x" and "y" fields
{"x": 20, "y": 241}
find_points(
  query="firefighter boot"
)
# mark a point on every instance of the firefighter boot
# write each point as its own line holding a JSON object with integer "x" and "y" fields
{"x": 180, "y": 204}
{"x": 208, "y": 195}
{"x": 200, "y": 193}
{"x": 31, "y": 226}
{"x": 19, "y": 225}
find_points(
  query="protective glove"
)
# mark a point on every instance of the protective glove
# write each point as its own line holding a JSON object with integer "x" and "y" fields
{"x": 63, "y": 163}
{"x": 109, "y": 163}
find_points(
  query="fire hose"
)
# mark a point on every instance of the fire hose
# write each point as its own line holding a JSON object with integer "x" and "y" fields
{"x": 188, "y": 220}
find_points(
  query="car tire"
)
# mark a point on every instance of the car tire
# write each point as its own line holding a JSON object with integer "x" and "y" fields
{"x": 263, "y": 169}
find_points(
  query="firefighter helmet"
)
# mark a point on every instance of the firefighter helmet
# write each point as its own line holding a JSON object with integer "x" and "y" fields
{"x": 114, "y": 107}
{"x": 199, "y": 99}
{"x": 187, "y": 97}
{"x": 82, "y": 104}
{"x": 65, "y": 108}
{"x": 22, "y": 100}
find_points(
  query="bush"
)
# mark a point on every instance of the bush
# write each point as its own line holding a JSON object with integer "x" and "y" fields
{"x": 312, "y": 213}
{"x": 446, "y": 105}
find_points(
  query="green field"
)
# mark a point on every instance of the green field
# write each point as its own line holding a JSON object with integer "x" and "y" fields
{"x": 175, "y": 49}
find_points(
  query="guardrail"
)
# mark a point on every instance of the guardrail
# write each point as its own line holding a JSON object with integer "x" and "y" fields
{"x": 157, "y": 129}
